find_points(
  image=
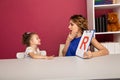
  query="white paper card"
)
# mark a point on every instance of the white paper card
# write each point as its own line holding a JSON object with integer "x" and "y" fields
{"x": 84, "y": 42}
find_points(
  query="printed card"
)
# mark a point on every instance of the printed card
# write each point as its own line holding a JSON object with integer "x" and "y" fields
{"x": 84, "y": 42}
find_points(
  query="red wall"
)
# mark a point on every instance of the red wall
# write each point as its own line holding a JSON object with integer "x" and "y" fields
{"x": 49, "y": 18}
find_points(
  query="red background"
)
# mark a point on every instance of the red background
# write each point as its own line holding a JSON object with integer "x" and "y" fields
{"x": 49, "y": 18}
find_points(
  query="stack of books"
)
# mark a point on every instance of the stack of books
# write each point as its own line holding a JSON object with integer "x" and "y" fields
{"x": 101, "y": 23}
{"x": 98, "y": 2}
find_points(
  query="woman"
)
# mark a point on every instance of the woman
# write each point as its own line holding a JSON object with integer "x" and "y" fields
{"x": 76, "y": 26}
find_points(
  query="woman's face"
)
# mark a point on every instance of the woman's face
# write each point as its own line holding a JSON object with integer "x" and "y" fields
{"x": 73, "y": 27}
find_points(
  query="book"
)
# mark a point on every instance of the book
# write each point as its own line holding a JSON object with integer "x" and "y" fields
{"x": 101, "y": 23}
{"x": 96, "y": 25}
{"x": 97, "y": 2}
{"x": 100, "y": 2}
{"x": 108, "y": 1}
{"x": 84, "y": 42}
{"x": 104, "y": 23}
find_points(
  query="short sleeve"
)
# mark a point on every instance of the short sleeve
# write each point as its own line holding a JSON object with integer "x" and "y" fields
{"x": 29, "y": 50}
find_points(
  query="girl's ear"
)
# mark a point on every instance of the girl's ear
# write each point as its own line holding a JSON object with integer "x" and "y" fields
{"x": 31, "y": 41}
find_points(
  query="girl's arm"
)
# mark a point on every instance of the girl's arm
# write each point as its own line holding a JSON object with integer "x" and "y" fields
{"x": 38, "y": 56}
{"x": 101, "y": 50}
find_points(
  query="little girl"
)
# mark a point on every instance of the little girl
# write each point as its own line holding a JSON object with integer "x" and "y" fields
{"x": 32, "y": 40}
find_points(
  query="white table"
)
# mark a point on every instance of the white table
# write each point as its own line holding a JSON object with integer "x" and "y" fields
{"x": 61, "y": 68}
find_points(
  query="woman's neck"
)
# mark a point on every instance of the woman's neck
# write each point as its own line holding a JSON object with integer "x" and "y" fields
{"x": 79, "y": 35}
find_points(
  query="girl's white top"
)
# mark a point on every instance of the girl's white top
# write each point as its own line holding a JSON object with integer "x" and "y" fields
{"x": 30, "y": 49}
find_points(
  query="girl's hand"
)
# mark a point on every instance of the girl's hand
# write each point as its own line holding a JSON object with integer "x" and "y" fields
{"x": 88, "y": 55}
{"x": 49, "y": 57}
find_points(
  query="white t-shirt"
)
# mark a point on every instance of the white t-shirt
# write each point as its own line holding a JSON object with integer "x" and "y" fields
{"x": 30, "y": 49}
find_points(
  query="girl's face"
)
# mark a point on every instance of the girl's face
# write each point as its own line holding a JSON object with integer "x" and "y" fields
{"x": 73, "y": 27}
{"x": 35, "y": 40}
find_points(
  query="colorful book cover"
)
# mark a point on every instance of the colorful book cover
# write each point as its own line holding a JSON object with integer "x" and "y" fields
{"x": 97, "y": 2}
{"x": 84, "y": 43}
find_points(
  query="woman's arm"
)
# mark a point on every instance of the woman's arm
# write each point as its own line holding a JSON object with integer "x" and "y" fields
{"x": 101, "y": 49}
{"x": 70, "y": 37}
{"x": 67, "y": 43}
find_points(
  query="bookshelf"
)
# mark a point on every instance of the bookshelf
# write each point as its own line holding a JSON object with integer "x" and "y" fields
{"x": 91, "y": 16}
{"x": 107, "y": 6}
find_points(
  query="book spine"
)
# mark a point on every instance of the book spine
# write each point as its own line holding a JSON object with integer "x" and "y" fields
{"x": 98, "y": 2}
{"x": 100, "y": 24}
{"x": 104, "y": 22}
{"x": 96, "y": 24}
{"x": 108, "y": 1}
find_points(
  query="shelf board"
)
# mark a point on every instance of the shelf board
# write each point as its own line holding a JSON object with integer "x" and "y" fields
{"x": 107, "y": 6}
{"x": 116, "y": 32}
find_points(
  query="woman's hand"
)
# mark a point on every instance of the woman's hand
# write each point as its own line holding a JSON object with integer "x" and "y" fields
{"x": 71, "y": 36}
{"x": 88, "y": 55}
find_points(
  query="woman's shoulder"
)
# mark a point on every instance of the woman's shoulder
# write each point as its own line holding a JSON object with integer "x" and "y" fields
{"x": 94, "y": 39}
{"x": 76, "y": 39}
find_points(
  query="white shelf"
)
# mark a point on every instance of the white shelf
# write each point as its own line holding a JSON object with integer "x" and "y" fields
{"x": 116, "y": 32}
{"x": 91, "y": 14}
{"x": 107, "y": 6}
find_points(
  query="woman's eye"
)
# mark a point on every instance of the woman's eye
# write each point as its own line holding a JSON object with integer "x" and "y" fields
{"x": 71, "y": 24}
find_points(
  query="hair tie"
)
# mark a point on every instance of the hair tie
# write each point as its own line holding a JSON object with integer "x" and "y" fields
{"x": 28, "y": 32}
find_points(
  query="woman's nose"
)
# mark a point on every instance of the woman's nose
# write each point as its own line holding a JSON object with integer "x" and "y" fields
{"x": 69, "y": 26}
